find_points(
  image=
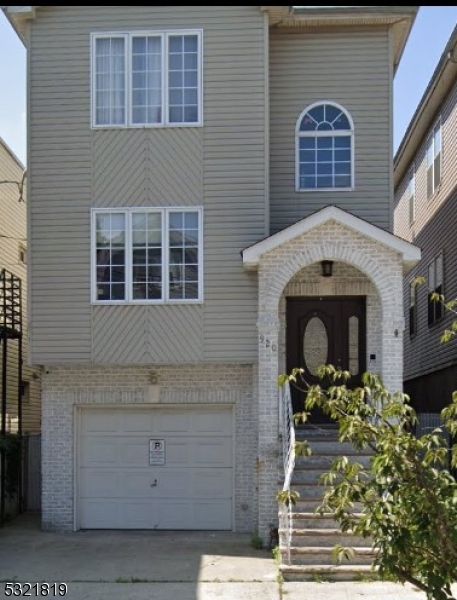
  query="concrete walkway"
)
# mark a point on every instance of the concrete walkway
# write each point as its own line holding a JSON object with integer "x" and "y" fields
{"x": 159, "y": 565}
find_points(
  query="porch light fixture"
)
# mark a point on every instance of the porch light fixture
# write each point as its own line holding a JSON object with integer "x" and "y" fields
{"x": 327, "y": 268}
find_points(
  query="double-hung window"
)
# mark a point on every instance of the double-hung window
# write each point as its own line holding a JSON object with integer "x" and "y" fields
{"x": 324, "y": 139}
{"x": 434, "y": 159}
{"x": 147, "y": 79}
{"x": 410, "y": 193}
{"x": 412, "y": 309}
{"x": 435, "y": 286}
{"x": 144, "y": 255}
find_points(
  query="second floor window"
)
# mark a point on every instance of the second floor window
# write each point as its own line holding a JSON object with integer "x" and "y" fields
{"x": 435, "y": 285}
{"x": 412, "y": 309}
{"x": 324, "y": 148}
{"x": 434, "y": 159}
{"x": 146, "y": 79}
{"x": 147, "y": 255}
{"x": 410, "y": 193}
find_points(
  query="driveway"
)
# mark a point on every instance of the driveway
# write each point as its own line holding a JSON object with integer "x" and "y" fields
{"x": 160, "y": 565}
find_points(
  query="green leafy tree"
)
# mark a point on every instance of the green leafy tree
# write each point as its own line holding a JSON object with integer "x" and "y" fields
{"x": 407, "y": 497}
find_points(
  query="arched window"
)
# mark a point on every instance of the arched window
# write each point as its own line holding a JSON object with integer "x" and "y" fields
{"x": 324, "y": 148}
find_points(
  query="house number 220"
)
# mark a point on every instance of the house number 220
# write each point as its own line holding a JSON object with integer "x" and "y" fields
{"x": 268, "y": 344}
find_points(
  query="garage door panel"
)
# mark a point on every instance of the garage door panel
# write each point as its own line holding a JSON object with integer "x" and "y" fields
{"x": 99, "y": 452}
{"x": 173, "y": 421}
{"x": 133, "y": 452}
{"x": 173, "y": 483}
{"x": 118, "y": 488}
{"x": 198, "y": 451}
{"x": 99, "y": 422}
{"x": 137, "y": 422}
{"x": 137, "y": 514}
{"x": 100, "y": 514}
{"x": 136, "y": 483}
{"x": 177, "y": 452}
{"x": 215, "y": 423}
{"x": 175, "y": 514}
{"x": 99, "y": 483}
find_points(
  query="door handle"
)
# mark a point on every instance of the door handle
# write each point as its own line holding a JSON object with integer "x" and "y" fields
{"x": 154, "y": 484}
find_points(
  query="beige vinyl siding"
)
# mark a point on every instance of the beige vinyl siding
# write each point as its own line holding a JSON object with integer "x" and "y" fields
{"x": 433, "y": 231}
{"x": 350, "y": 68}
{"x": 220, "y": 166}
{"x": 427, "y": 207}
{"x": 12, "y": 235}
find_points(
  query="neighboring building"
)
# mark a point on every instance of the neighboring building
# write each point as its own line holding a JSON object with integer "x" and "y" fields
{"x": 13, "y": 259}
{"x": 19, "y": 382}
{"x": 190, "y": 169}
{"x": 426, "y": 214}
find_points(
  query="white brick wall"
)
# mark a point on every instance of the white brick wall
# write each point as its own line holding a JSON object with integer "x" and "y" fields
{"x": 362, "y": 266}
{"x": 64, "y": 388}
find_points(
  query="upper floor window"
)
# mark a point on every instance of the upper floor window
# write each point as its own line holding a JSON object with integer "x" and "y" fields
{"x": 434, "y": 159}
{"x": 147, "y": 255}
{"x": 324, "y": 148}
{"x": 146, "y": 79}
{"x": 410, "y": 194}
{"x": 435, "y": 286}
{"x": 412, "y": 309}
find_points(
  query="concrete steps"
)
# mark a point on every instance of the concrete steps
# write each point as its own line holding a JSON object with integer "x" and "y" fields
{"x": 314, "y": 535}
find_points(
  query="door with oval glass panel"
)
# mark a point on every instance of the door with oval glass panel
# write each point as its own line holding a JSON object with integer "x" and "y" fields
{"x": 325, "y": 330}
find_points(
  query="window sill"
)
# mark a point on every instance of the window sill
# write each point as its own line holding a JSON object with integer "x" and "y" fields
{"x": 148, "y": 126}
{"x": 144, "y": 302}
{"x": 311, "y": 190}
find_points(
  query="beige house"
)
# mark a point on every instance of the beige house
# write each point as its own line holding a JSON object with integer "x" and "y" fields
{"x": 192, "y": 172}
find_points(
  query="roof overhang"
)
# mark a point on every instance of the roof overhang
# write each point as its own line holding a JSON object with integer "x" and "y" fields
{"x": 427, "y": 110}
{"x": 399, "y": 18}
{"x": 18, "y": 17}
{"x": 410, "y": 254}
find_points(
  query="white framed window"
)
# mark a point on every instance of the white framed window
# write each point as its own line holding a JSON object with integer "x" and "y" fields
{"x": 434, "y": 159}
{"x": 324, "y": 148}
{"x": 147, "y": 79}
{"x": 412, "y": 309}
{"x": 147, "y": 255}
{"x": 410, "y": 194}
{"x": 435, "y": 286}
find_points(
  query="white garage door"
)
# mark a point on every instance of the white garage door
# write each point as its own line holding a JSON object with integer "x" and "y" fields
{"x": 119, "y": 488}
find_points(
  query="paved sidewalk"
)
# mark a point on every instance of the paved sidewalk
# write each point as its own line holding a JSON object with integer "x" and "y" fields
{"x": 163, "y": 565}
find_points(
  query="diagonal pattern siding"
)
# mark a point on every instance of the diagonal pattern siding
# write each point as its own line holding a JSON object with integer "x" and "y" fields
{"x": 118, "y": 334}
{"x": 175, "y": 166}
{"x": 119, "y": 168}
{"x": 146, "y": 334}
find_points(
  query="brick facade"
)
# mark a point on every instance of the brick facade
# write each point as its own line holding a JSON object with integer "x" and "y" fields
{"x": 66, "y": 388}
{"x": 362, "y": 267}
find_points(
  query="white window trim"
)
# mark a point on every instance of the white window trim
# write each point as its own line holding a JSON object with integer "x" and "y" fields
{"x": 128, "y": 35}
{"x": 165, "y": 211}
{"x": 299, "y": 135}
{"x": 431, "y": 138}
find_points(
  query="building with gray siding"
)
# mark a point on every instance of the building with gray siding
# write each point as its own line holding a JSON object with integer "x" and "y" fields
{"x": 425, "y": 179}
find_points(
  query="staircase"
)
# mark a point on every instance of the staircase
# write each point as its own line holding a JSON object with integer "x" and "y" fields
{"x": 312, "y": 536}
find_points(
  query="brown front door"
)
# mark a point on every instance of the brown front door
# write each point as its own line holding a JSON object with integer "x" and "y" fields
{"x": 325, "y": 330}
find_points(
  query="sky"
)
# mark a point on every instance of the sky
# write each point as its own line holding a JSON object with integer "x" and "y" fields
{"x": 426, "y": 42}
